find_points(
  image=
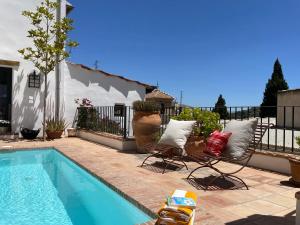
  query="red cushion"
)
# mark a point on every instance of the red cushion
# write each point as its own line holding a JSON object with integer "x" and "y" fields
{"x": 216, "y": 142}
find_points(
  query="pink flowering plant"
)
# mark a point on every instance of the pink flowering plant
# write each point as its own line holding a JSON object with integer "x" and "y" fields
{"x": 84, "y": 102}
{"x": 298, "y": 140}
{"x": 87, "y": 114}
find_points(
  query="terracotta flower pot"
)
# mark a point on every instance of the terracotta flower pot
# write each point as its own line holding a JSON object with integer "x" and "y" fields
{"x": 295, "y": 171}
{"x": 195, "y": 145}
{"x": 54, "y": 134}
{"x": 145, "y": 127}
{"x": 71, "y": 132}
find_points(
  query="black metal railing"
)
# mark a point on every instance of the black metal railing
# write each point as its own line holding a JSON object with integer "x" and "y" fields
{"x": 285, "y": 120}
{"x": 281, "y": 137}
{"x": 108, "y": 119}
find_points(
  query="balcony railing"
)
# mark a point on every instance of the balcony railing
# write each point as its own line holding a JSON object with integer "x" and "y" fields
{"x": 281, "y": 137}
{"x": 108, "y": 119}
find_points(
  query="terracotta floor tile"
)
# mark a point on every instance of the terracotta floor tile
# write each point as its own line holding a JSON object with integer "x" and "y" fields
{"x": 149, "y": 188}
{"x": 264, "y": 207}
{"x": 241, "y": 211}
{"x": 281, "y": 200}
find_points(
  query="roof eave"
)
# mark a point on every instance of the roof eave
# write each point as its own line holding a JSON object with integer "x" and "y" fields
{"x": 69, "y": 7}
{"x": 147, "y": 86}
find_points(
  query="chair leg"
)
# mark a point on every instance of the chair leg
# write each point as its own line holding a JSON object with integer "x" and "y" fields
{"x": 224, "y": 175}
{"x": 185, "y": 165}
{"x": 199, "y": 167}
{"x": 166, "y": 165}
{"x": 174, "y": 161}
{"x": 212, "y": 181}
{"x": 235, "y": 177}
{"x": 152, "y": 155}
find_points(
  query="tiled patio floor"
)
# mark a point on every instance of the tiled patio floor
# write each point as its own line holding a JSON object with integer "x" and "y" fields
{"x": 267, "y": 202}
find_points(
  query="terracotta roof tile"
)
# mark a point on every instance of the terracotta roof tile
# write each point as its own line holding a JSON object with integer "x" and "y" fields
{"x": 158, "y": 94}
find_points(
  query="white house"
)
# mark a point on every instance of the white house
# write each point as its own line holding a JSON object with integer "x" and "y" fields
{"x": 288, "y": 108}
{"x": 20, "y": 93}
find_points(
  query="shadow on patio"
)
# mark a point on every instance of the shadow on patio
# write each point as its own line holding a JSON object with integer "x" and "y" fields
{"x": 257, "y": 219}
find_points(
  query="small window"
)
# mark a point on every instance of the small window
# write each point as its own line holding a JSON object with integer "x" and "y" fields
{"x": 34, "y": 80}
{"x": 119, "y": 110}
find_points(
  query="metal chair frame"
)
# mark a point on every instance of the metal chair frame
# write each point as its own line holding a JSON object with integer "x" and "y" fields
{"x": 168, "y": 154}
{"x": 210, "y": 161}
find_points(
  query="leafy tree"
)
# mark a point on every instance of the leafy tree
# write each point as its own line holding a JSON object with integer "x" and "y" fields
{"x": 275, "y": 84}
{"x": 49, "y": 42}
{"x": 220, "y": 107}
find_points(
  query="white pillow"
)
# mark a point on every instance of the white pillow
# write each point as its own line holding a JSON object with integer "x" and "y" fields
{"x": 177, "y": 133}
{"x": 242, "y": 135}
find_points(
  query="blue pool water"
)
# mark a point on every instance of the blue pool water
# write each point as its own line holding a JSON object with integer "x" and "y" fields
{"x": 42, "y": 187}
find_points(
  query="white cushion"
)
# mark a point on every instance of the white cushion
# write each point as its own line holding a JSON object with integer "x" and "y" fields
{"x": 177, "y": 133}
{"x": 242, "y": 135}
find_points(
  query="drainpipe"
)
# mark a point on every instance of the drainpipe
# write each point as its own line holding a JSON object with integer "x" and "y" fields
{"x": 297, "y": 196}
{"x": 57, "y": 70}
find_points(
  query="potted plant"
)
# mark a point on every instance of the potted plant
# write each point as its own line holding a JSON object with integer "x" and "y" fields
{"x": 55, "y": 128}
{"x": 4, "y": 126}
{"x": 207, "y": 122}
{"x": 295, "y": 167}
{"x": 29, "y": 134}
{"x": 146, "y": 123}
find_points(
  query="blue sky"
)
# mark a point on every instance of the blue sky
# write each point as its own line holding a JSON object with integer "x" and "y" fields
{"x": 202, "y": 47}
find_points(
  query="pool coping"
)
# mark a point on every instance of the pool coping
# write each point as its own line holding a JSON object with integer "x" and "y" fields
{"x": 136, "y": 203}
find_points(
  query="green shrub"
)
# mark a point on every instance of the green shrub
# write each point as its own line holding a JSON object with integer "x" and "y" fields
{"x": 143, "y": 106}
{"x": 86, "y": 118}
{"x": 109, "y": 126}
{"x": 207, "y": 121}
{"x": 56, "y": 125}
{"x": 298, "y": 140}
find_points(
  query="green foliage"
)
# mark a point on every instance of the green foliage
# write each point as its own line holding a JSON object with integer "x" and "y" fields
{"x": 143, "y": 106}
{"x": 109, "y": 126}
{"x": 49, "y": 42}
{"x": 49, "y": 37}
{"x": 53, "y": 124}
{"x": 89, "y": 119}
{"x": 298, "y": 140}
{"x": 275, "y": 84}
{"x": 207, "y": 121}
{"x": 220, "y": 107}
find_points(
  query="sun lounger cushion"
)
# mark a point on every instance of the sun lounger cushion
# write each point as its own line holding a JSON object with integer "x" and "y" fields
{"x": 242, "y": 135}
{"x": 176, "y": 133}
{"x": 170, "y": 215}
{"x": 216, "y": 143}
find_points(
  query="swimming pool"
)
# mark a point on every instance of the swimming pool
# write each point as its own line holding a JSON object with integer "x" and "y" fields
{"x": 43, "y": 187}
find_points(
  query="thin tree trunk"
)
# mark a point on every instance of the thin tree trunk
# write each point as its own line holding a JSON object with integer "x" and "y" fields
{"x": 45, "y": 107}
{"x": 57, "y": 67}
{"x": 46, "y": 83}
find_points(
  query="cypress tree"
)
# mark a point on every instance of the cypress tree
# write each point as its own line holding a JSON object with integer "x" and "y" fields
{"x": 220, "y": 107}
{"x": 275, "y": 84}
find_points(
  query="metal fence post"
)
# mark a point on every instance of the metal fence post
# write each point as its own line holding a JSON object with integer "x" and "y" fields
{"x": 125, "y": 123}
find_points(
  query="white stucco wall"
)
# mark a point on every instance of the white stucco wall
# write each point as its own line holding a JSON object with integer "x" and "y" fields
{"x": 75, "y": 82}
{"x": 26, "y": 102}
{"x": 290, "y": 99}
{"x": 101, "y": 89}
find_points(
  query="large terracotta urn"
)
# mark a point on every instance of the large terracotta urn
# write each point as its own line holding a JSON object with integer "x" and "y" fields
{"x": 146, "y": 126}
{"x": 295, "y": 171}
